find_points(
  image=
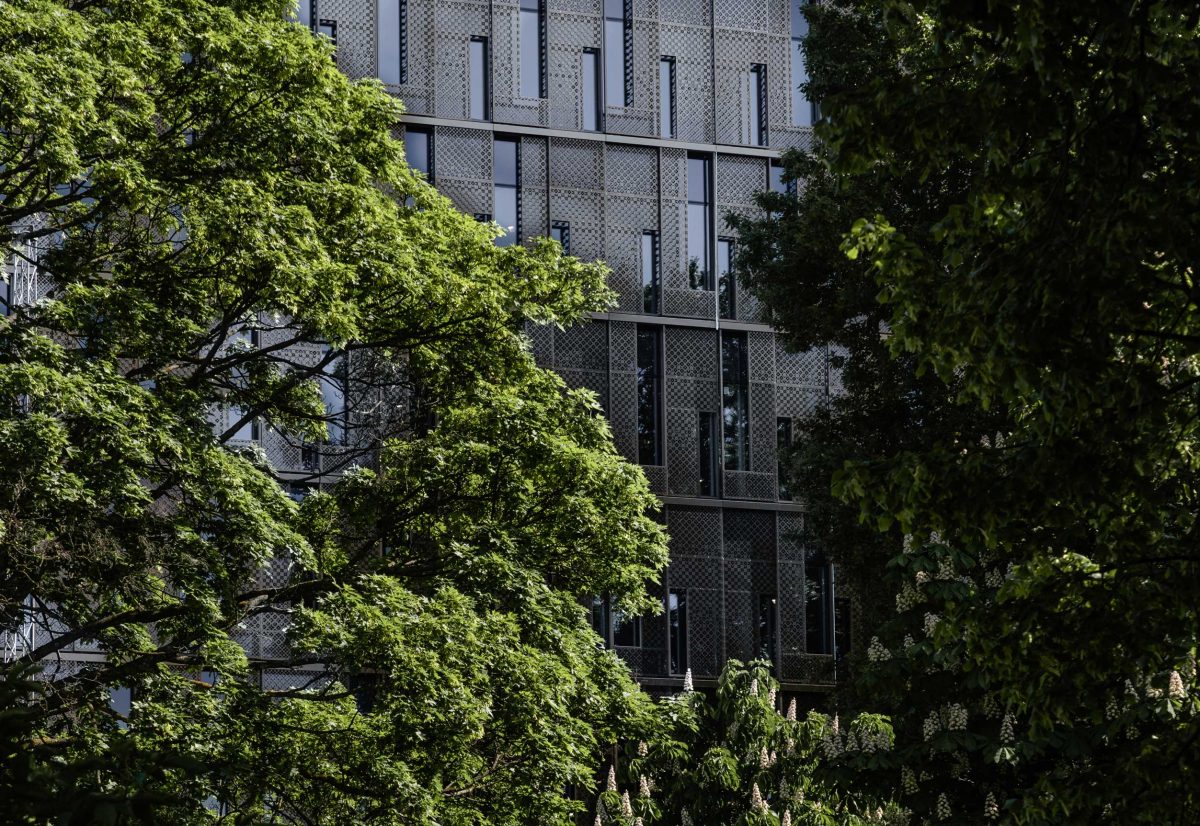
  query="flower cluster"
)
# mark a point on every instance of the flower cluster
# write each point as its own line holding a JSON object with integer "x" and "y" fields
{"x": 877, "y": 652}
{"x": 943, "y": 807}
{"x": 931, "y": 622}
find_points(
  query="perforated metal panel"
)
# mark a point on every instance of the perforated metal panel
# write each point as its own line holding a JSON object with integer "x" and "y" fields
{"x": 463, "y": 164}
{"x": 575, "y": 25}
{"x": 356, "y": 54}
{"x": 631, "y": 197}
{"x": 696, "y": 566}
{"x": 417, "y": 91}
{"x": 693, "y": 367}
{"x": 739, "y": 181}
{"x": 622, "y": 377}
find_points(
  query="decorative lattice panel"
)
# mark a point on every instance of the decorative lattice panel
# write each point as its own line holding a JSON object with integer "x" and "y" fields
{"x": 417, "y": 91}
{"x": 581, "y": 357}
{"x": 463, "y": 162}
{"x": 575, "y": 25}
{"x": 356, "y": 54}
{"x": 693, "y": 367}
{"x": 622, "y": 409}
{"x": 631, "y": 197}
{"x": 455, "y": 23}
{"x": 736, "y": 50}
{"x": 691, "y": 45}
{"x": 535, "y": 205}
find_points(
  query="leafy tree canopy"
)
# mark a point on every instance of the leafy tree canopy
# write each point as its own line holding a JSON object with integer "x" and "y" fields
{"x": 1014, "y": 187}
{"x": 208, "y": 227}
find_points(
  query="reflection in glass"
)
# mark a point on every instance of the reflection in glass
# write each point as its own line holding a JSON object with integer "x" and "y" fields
{"x": 616, "y": 53}
{"x": 677, "y": 622}
{"x": 505, "y": 211}
{"x": 649, "y": 395}
{"x": 735, "y": 392}
{"x": 726, "y": 281}
{"x": 802, "y": 108}
{"x": 699, "y": 227}
{"x": 650, "y": 271}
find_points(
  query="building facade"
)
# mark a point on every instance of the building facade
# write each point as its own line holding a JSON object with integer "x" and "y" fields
{"x": 629, "y": 130}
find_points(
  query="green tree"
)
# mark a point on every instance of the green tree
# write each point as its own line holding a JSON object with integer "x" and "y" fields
{"x": 206, "y": 223}
{"x": 1046, "y": 635}
{"x": 738, "y": 759}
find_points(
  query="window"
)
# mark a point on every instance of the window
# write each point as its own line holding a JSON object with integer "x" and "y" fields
{"x": 479, "y": 105}
{"x": 726, "y": 282}
{"x": 333, "y": 394}
{"x": 328, "y": 28}
{"x": 757, "y": 99}
{"x": 710, "y": 460}
{"x": 533, "y": 48}
{"x": 600, "y": 618}
{"x": 304, "y": 14}
{"x": 249, "y": 430}
{"x": 506, "y": 161}
{"x": 699, "y": 218}
{"x": 766, "y": 627}
{"x": 775, "y": 181}
{"x": 590, "y": 73}
{"x": 802, "y": 108}
{"x": 677, "y": 625}
{"x": 393, "y": 51}
{"x": 649, "y": 395}
{"x": 816, "y": 606}
{"x": 735, "y": 397}
{"x": 120, "y": 700}
{"x": 560, "y": 231}
{"x": 618, "y": 40}
{"x": 650, "y": 271}
{"x": 418, "y": 146}
{"x": 626, "y": 630}
{"x": 783, "y": 443}
{"x": 666, "y": 97}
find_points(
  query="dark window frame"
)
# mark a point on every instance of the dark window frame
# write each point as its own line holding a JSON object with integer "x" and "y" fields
{"x": 515, "y": 186}
{"x": 726, "y": 280}
{"x": 539, "y": 8}
{"x": 596, "y": 89}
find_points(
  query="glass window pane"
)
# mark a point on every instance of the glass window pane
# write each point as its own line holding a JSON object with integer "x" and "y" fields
{"x": 504, "y": 156}
{"x": 735, "y": 389}
{"x": 650, "y": 272}
{"x": 697, "y": 173}
{"x": 801, "y": 108}
{"x": 776, "y": 179}
{"x": 816, "y": 610}
{"x": 649, "y": 392}
{"x": 531, "y": 50}
{"x": 726, "y": 283}
{"x": 614, "y": 61}
{"x": 766, "y": 627}
{"x": 677, "y": 620}
{"x": 698, "y": 246}
{"x": 756, "y": 99}
{"x": 416, "y": 150}
{"x": 505, "y": 214}
{"x": 666, "y": 97}
{"x": 627, "y": 630}
{"x": 479, "y": 79}
{"x": 709, "y": 460}
{"x": 591, "y": 90}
